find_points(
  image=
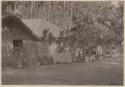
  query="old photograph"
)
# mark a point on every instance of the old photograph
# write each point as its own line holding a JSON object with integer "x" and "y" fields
{"x": 62, "y": 42}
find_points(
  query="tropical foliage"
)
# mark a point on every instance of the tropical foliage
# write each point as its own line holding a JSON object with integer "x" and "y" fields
{"x": 93, "y": 20}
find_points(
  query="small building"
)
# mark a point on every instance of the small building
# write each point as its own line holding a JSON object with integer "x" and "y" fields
{"x": 14, "y": 35}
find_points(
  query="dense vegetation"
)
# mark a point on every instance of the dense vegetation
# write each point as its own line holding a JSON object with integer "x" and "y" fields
{"x": 94, "y": 21}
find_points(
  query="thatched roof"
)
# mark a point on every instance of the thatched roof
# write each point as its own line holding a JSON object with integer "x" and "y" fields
{"x": 34, "y": 27}
{"x": 11, "y": 20}
{"x": 38, "y": 25}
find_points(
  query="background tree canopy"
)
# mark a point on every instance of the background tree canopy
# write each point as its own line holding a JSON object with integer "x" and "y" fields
{"x": 97, "y": 20}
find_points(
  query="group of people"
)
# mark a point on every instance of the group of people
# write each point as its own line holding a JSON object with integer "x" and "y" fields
{"x": 79, "y": 54}
{"x": 85, "y": 54}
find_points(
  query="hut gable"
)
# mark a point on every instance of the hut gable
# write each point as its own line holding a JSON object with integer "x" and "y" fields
{"x": 14, "y": 28}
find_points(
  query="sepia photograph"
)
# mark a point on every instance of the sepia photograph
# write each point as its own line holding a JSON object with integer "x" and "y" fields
{"x": 62, "y": 43}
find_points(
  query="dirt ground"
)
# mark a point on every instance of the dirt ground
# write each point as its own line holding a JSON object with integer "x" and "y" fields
{"x": 108, "y": 71}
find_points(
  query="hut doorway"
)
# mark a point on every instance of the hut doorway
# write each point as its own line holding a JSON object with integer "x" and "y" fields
{"x": 17, "y": 52}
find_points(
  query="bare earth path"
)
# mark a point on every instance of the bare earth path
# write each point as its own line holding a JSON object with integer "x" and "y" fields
{"x": 106, "y": 72}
